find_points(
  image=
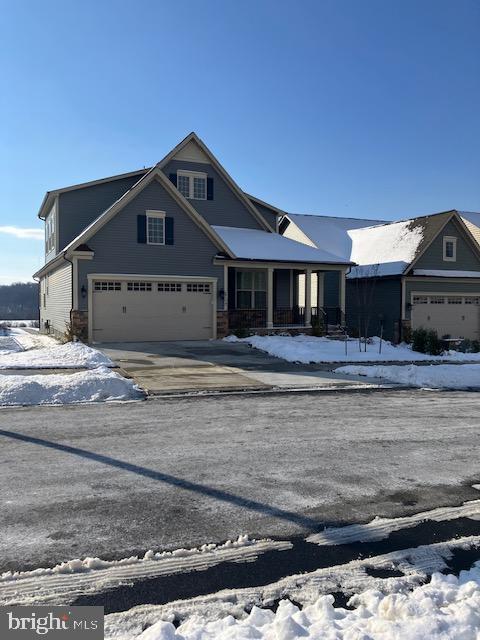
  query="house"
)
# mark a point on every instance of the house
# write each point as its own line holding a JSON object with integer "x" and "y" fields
{"x": 419, "y": 272}
{"x": 176, "y": 251}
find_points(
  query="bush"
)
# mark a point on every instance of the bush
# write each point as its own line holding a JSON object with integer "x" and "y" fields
{"x": 469, "y": 346}
{"x": 407, "y": 334}
{"x": 419, "y": 338}
{"x": 241, "y": 332}
{"x": 318, "y": 328}
{"x": 433, "y": 345}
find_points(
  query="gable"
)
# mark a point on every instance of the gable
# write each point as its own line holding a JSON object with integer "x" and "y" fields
{"x": 191, "y": 152}
{"x": 466, "y": 258}
{"x": 226, "y": 209}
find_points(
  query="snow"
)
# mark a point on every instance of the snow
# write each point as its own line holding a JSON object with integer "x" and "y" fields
{"x": 326, "y": 231}
{"x": 445, "y": 608}
{"x": 471, "y": 216}
{"x": 443, "y": 376}
{"x": 253, "y": 244}
{"x": 94, "y": 385}
{"x": 446, "y": 273}
{"x": 48, "y": 354}
{"x": 387, "y": 249}
{"x": 310, "y": 349}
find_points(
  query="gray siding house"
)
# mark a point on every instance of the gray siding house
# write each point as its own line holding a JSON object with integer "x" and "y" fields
{"x": 176, "y": 251}
{"x": 421, "y": 272}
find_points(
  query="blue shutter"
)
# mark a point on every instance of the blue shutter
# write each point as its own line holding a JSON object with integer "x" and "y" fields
{"x": 209, "y": 188}
{"x": 169, "y": 231}
{"x": 142, "y": 229}
{"x": 173, "y": 178}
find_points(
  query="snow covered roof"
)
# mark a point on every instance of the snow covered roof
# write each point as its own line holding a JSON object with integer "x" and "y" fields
{"x": 253, "y": 244}
{"x": 331, "y": 232}
{"x": 446, "y": 273}
{"x": 471, "y": 216}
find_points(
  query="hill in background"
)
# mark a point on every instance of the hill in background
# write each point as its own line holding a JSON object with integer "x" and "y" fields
{"x": 19, "y": 301}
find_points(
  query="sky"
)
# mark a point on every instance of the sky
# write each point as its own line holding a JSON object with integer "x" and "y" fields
{"x": 338, "y": 107}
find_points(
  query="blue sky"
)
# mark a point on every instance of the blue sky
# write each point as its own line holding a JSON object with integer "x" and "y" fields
{"x": 344, "y": 107}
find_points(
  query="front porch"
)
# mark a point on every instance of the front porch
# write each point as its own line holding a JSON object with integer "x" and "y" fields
{"x": 282, "y": 297}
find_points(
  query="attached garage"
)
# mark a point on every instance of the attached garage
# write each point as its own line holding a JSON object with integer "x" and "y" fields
{"x": 147, "y": 309}
{"x": 455, "y": 315}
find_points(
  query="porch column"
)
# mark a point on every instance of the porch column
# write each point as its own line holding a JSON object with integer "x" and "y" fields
{"x": 270, "y": 298}
{"x": 308, "y": 297}
{"x": 320, "y": 289}
{"x": 342, "y": 293}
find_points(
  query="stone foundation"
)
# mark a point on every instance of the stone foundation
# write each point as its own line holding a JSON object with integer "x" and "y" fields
{"x": 79, "y": 322}
{"x": 222, "y": 324}
{"x": 275, "y": 331}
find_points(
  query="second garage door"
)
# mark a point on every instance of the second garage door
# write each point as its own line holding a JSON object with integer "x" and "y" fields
{"x": 455, "y": 316}
{"x": 141, "y": 310}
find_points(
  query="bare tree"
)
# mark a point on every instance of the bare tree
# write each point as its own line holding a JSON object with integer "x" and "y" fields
{"x": 365, "y": 290}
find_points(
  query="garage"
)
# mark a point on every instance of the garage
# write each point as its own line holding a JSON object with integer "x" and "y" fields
{"x": 457, "y": 316}
{"x": 151, "y": 309}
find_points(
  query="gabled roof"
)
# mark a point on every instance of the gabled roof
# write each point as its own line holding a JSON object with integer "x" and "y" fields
{"x": 192, "y": 137}
{"x": 267, "y": 205}
{"x": 254, "y": 244}
{"x": 50, "y": 195}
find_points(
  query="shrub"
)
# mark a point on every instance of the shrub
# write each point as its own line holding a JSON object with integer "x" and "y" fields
{"x": 318, "y": 328}
{"x": 469, "y": 346}
{"x": 419, "y": 338}
{"x": 241, "y": 332}
{"x": 407, "y": 334}
{"x": 433, "y": 345}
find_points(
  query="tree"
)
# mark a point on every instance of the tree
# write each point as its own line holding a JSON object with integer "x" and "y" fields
{"x": 19, "y": 301}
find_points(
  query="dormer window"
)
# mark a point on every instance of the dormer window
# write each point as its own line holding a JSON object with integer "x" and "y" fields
{"x": 449, "y": 249}
{"x": 192, "y": 184}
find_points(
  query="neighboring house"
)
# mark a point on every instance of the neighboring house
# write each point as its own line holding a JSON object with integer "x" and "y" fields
{"x": 422, "y": 272}
{"x": 176, "y": 251}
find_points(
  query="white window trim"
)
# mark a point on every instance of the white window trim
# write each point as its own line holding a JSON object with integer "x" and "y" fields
{"x": 160, "y": 215}
{"x": 190, "y": 175}
{"x": 454, "y": 241}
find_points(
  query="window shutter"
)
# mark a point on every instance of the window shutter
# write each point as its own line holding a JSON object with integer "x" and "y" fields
{"x": 169, "y": 231}
{"x": 209, "y": 188}
{"x": 232, "y": 288}
{"x": 142, "y": 229}
{"x": 173, "y": 178}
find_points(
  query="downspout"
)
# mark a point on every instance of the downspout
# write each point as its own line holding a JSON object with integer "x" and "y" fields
{"x": 71, "y": 286}
{"x": 39, "y": 300}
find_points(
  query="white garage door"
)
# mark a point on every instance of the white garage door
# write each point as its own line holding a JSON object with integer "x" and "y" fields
{"x": 453, "y": 315}
{"x": 137, "y": 310}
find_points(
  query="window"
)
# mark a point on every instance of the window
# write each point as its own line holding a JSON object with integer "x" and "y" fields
{"x": 169, "y": 287}
{"x": 472, "y": 300}
{"x": 420, "y": 299}
{"x": 155, "y": 227}
{"x": 200, "y": 287}
{"x": 50, "y": 231}
{"x": 454, "y": 300}
{"x": 139, "y": 286}
{"x": 251, "y": 290}
{"x": 437, "y": 300}
{"x": 192, "y": 184}
{"x": 449, "y": 249}
{"x": 107, "y": 286}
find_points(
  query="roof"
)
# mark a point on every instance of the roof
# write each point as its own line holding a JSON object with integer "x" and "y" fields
{"x": 471, "y": 216}
{"x": 446, "y": 273}
{"x": 253, "y": 244}
{"x": 331, "y": 232}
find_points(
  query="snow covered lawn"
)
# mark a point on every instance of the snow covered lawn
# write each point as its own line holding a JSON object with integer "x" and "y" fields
{"x": 435, "y": 376}
{"x": 22, "y": 350}
{"x": 95, "y": 385}
{"x": 309, "y": 349}
{"x": 446, "y": 608}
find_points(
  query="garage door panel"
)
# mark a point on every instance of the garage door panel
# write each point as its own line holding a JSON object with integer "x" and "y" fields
{"x": 454, "y": 315}
{"x": 140, "y": 311}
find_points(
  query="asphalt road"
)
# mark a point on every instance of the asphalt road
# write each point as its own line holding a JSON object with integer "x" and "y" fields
{"x": 112, "y": 480}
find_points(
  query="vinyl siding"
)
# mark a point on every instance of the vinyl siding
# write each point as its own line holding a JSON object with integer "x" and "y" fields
{"x": 331, "y": 291}
{"x": 117, "y": 250}
{"x": 385, "y": 306}
{"x": 78, "y": 208}
{"x": 282, "y": 288}
{"x": 295, "y": 233}
{"x": 58, "y": 299}
{"x": 437, "y": 285}
{"x": 466, "y": 260}
{"x": 226, "y": 208}
{"x": 269, "y": 215}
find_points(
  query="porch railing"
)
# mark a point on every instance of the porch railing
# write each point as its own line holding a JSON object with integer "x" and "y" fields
{"x": 294, "y": 317}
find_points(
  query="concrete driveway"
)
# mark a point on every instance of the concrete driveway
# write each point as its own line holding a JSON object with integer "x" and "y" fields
{"x": 214, "y": 365}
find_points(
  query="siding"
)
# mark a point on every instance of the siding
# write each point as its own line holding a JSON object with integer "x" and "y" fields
{"x": 117, "y": 250}
{"x": 466, "y": 260}
{"x": 58, "y": 299}
{"x": 385, "y": 305}
{"x": 295, "y": 233}
{"x": 226, "y": 208}
{"x": 331, "y": 290}
{"x": 269, "y": 215}
{"x": 281, "y": 288}
{"x": 78, "y": 208}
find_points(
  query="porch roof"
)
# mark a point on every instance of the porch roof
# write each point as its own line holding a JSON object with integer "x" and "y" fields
{"x": 253, "y": 244}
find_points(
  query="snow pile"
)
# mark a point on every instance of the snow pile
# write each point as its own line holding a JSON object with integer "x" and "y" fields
{"x": 310, "y": 349}
{"x": 72, "y": 355}
{"x": 97, "y": 385}
{"x": 8, "y": 344}
{"x": 442, "y": 376}
{"x": 447, "y": 608}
